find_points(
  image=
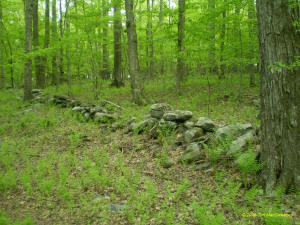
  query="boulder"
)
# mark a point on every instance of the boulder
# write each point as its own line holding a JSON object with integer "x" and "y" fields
{"x": 139, "y": 127}
{"x": 105, "y": 117}
{"x": 202, "y": 166}
{"x": 99, "y": 109}
{"x": 86, "y": 116}
{"x": 233, "y": 130}
{"x": 241, "y": 142}
{"x": 177, "y": 115}
{"x": 205, "y": 123}
{"x": 193, "y": 134}
{"x": 193, "y": 153}
{"x": 163, "y": 124}
{"x": 157, "y": 110}
{"x": 77, "y": 109}
{"x": 189, "y": 125}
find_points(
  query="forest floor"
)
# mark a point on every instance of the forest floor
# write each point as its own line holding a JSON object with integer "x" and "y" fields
{"x": 58, "y": 169}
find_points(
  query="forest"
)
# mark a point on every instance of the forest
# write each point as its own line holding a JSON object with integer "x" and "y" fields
{"x": 149, "y": 112}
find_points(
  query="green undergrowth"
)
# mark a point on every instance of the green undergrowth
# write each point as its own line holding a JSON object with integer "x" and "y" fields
{"x": 57, "y": 169}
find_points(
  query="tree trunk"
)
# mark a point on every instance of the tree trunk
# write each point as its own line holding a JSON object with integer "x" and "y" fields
{"x": 44, "y": 68}
{"x": 279, "y": 44}
{"x": 105, "y": 55}
{"x": 134, "y": 68}
{"x": 61, "y": 50}
{"x": 149, "y": 37}
{"x": 28, "y": 50}
{"x": 35, "y": 41}
{"x": 251, "y": 67}
{"x": 2, "y": 59}
{"x": 212, "y": 45}
{"x": 117, "y": 74}
{"x": 222, "y": 47}
{"x": 55, "y": 77}
{"x": 162, "y": 64}
{"x": 180, "y": 56}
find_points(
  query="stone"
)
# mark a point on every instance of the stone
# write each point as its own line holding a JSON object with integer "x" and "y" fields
{"x": 177, "y": 115}
{"x": 167, "y": 124}
{"x": 205, "y": 123}
{"x": 193, "y": 153}
{"x": 167, "y": 162}
{"x": 115, "y": 126}
{"x": 193, "y": 134}
{"x": 74, "y": 103}
{"x": 241, "y": 142}
{"x": 189, "y": 125}
{"x": 233, "y": 130}
{"x": 99, "y": 109}
{"x": 86, "y": 116}
{"x": 140, "y": 126}
{"x": 202, "y": 166}
{"x": 179, "y": 139}
{"x": 77, "y": 109}
{"x": 116, "y": 207}
{"x": 157, "y": 110}
{"x": 105, "y": 117}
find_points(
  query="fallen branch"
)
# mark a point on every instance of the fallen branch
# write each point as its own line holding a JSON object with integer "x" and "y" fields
{"x": 109, "y": 102}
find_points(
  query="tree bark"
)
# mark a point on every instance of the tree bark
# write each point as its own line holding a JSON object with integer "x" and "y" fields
{"x": 2, "y": 59}
{"x": 105, "y": 55}
{"x": 117, "y": 73}
{"x": 222, "y": 46}
{"x": 28, "y": 50}
{"x": 162, "y": 63}
{"x": 55, "y": 77}
{"x": 149, "y": 37}
{"x": 40, "y": 80}
{"x": 134, "y": 68}
{"x": 61, "y": 50}
{"x": 44, "y": 67}
{"x": 212, "y": 44}
{"x": 180, "y": 57}
{"x": 279, "y": 44}
{"x": 251, "y": 67}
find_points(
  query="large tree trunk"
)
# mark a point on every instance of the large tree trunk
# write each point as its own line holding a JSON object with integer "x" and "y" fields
{"x": 279, "y": 44}
{"x": 134, "y": 68}
{"x": 180, "y": 57}
{"x": 162, "y": 64}
{"x": 28, "y": 50}
{"x": 61, "y": 50}
{"x": 222, "y": 46}
{"x": 251, "y": 67}
{"x": 44, "y": 68}
{"x": 149, "y": 37}
{"x": 55, "y": 77}
{"x": 40, "y": 79}
{"x": 212, "y": 44}
{"x": 2, "y": 78}
{"x": 117, "y": 74}
{"x": 105, "y": 55}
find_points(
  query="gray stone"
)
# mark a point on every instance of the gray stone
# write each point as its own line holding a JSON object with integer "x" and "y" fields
{"x": 86, "y": 116}
{"x": 140, "y": 126}
{"x": 241, "y": 142}
{"x": 177, "y": 115}
{"x": 105, "y": 117}
{"x": 167, "y": 124}
{"x": 99, "y": 109}
{"x": 205, "y": 123}
{"x": 116, "y": 207}
{"x": 193, "y": 153}
{"x": 77, "y": 109}
{"x": 167, "y": 162}
{"x": 202, "y": 166}
{"x": 189, "y": 125}
{"x": 115, "y": 126}
{"x": 157, "y": 110}
{"x": 193, "y": 134}
{"x": 233, "y": 130}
